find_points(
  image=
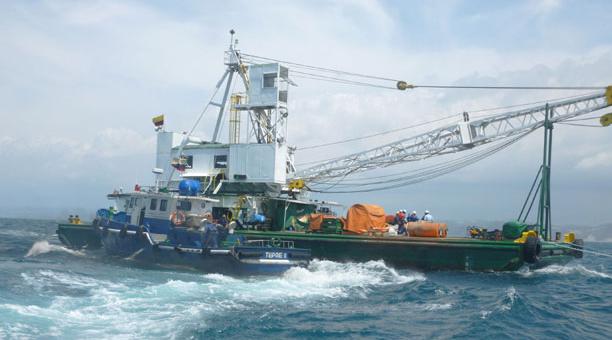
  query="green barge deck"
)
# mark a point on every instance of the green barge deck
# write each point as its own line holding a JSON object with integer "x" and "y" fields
{"x": 453, "y": 253}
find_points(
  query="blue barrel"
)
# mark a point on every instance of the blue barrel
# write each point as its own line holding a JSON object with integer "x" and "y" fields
{"x": 258, "y": 218}
{"x": 189, "y": 187}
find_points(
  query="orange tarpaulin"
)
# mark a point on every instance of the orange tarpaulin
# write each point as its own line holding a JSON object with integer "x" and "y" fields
{"x": 362, "y": 218}
{"x": 315, "y": 221}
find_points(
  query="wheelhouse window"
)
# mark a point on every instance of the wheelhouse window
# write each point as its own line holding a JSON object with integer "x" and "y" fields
{"x": 153, "y": 205}
{"x": 220, "y": 161}
{"x": 269, "y": 80}
{"x": 163, "y": 205}
{"x": 189, "y": 162}
{"x": 132, "y": 202}
{"x": 184, "y": 205}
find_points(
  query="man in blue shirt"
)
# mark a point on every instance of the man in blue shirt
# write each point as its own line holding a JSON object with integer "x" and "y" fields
{"x": 413, "y": 217}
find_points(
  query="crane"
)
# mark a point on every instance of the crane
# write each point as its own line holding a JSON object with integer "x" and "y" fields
{"x": 457, "y": 137}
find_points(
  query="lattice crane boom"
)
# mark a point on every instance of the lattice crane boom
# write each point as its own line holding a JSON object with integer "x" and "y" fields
{"x": 456, "y": 137}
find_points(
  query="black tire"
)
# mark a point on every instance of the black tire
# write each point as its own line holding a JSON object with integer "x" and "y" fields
{"x": 578, "y": 244}
{"x": 532, "y": 249}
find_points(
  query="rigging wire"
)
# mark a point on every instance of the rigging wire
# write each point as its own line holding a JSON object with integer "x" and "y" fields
{"x": 481, "y": 87}
{"x": 581, "y": 125}
{"x": 254, "y": 58}
{"x": 579, "y": 249}
{"x": 429, "y": 169}
{"x": 429, "y": 122}
{"x": 443, "y": 169}
{"x": 321, "y": 68}
{"x": 341, "y": 81}
{"x": 376, "y": 134}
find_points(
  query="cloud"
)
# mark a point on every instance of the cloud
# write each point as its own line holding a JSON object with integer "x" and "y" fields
{"x": 600, "y": 160}
{"x": 80, "y": 81}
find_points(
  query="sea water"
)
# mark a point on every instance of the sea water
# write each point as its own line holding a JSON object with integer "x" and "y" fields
{"x": 48, "y": 291}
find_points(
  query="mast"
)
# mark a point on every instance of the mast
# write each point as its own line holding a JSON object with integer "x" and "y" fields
{"x": 544, "y": 216}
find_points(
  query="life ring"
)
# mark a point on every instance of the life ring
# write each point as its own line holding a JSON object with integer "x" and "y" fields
{"x": 177, "y": 217}
{"x": 532, "y": 249}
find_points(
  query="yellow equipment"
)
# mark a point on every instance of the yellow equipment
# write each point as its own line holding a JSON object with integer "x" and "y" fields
{"x": 525, "y": 235}
{"x": 569, "y": 237}
{"x": 296, "y": 184}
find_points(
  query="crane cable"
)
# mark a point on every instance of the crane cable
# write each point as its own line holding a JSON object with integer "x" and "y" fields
{"x": 441, "y": 170}
{"x": 342, "y": 141}
{"x": 401, "y": 84}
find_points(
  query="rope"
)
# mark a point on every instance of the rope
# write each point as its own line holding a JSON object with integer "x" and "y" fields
{"x": 579, "y": 249}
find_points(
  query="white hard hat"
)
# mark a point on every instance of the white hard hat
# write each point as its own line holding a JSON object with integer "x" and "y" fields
{"x": 403, "y": 210}
{"x": 427, "y": 211}
{"x": 414, "y": 212}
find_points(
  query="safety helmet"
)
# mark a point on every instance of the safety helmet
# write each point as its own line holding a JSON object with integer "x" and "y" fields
{"x": 427, "y": 211}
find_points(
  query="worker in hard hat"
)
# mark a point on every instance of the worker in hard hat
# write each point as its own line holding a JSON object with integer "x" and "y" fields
{"x": 400, "y": 220}
{"x": 413, "y": 217}
{"x": 427, "y": 217}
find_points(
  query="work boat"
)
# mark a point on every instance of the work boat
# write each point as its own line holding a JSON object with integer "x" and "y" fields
{"x": 241, "y": 203}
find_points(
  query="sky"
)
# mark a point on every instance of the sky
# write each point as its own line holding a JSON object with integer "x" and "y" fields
{"x": 80, "y": 81}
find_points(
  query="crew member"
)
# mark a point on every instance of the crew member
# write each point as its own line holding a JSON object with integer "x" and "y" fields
{"x": 70, "y": 219}
{"x": 400, "y": 220}
{"x": 427, "y": 217}
{"x": 413, "y": 217}
{"x": 77, "y": 219}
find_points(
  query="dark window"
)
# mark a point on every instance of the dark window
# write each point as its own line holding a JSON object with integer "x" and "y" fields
{"x": 269, "y": 80}
{"x": 153, "y": 205}
{"x": 220, "y": 161}
{"x": 189, "y": 161}
{"x": 184, "y": 205}
{"x": 132, "y": 202}
{"x": 163, "y": 205}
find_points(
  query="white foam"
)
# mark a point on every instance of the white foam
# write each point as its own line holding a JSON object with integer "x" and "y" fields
{"x": 565, "y": 270}
{"x": 186, "y": 301}
{"x": 437, "y": 306}
{"x": 43, "y": 247}
{"x": 511, "y": 296}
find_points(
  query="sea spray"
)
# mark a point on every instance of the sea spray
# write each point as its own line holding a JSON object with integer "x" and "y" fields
{"x": 43, "y": 247}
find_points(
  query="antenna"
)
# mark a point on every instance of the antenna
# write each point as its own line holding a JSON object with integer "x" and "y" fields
{"x": 232, "y": 32}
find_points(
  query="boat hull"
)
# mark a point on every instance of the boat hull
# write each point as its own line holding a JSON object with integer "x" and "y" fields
{"x": 135, "y": 244}
{"x": 400, "y": 252}
{"x": 78, "y": 236}
{"x": 422, "y": 253}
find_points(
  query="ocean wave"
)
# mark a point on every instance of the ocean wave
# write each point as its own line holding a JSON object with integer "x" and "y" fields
{"x": 565, "y": 270}
{"x": 505, "y": 304}
{"x": 188, "y": 301}
{"x": 43, "y": 247}
{"x": 437, "y": 306}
